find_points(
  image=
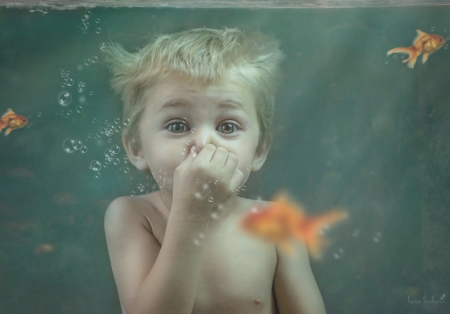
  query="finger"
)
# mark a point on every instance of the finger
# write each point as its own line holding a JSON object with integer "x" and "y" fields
{"x": 206, "y": 153}
{"x": 230, "y": 165}
{"x": 237, "y": 180}
{"x": 189, "y": 159}
{"x": 220, "y": 157}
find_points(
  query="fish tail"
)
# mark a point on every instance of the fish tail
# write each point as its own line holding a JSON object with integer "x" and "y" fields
{"x": 412, "y": 52}
{"x": 313, "y": 239}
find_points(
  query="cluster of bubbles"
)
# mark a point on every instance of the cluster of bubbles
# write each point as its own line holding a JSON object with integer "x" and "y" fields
{"x": 84, "y": 26}
{"x": 88, "y": 61}
{"x": 71, "y": 145}
{"x": 110, "y": 157}
{"x": 144, "y": 188}
{"x": 68, "y": 81}
{"x": 81, "y": 87}
{"x": 163, "y": 179}
{"x": 109, "y": 130}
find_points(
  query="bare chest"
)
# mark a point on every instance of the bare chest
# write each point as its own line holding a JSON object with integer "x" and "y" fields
{"x": 236, "y": 275}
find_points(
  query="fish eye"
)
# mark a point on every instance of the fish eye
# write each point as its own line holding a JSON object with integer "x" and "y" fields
{"x": 177, "y": 127}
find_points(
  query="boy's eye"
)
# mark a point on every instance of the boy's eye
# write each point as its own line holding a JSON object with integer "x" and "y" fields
{"x": 177, "y": 127}
{"x": 227, "y": 128}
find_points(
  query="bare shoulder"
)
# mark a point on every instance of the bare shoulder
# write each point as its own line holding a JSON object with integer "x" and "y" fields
{"x": 127, "y": 210}
{"x": 145, "y": 211}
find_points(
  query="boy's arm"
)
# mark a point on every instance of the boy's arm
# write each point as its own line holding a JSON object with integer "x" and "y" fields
{"x": 295, "y": 287}
{"x": 151, "y": 279}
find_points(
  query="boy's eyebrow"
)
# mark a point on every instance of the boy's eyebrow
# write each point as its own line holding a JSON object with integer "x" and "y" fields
{"x": 232, "y": 104}
{"x": 226, "y": 104}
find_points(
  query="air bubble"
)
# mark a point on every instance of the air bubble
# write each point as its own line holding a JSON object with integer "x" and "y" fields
{"x": 126, "y": 122}
{"x": 87, "y": 14}
{"x": 64, "y": 98}
{"x": 39, "y": 114}
{"x": 84, "y": 149}
{"x": 210, "y": 199}
{"x": 102, "y": 46}
{"x": 77, "y": 144}
{"x": 68, "y": 145}
{"x": 98, "y": 175}
{"x": 79, "y": 109}
{"x": 115, "y": 149}
{"x": 183, "y": 151}
{"x": 249, "y": 168}
{"x": 98, "y": 30}
{"x": 97, "y": 20}
{"x": 95, "y": 165}
{"x": 87, "y": 62}
{"x": 118, "y": 128}
{"x": 116, "y": 161}
{"x": 141, "y": 187}
{"x": 214, "y": 215}
{"x": 126, "y": 169}
{"x": 70, "y": 81}
{"x": 93, "y": 120}
{"x": 94, "y": 59}
{"x": 117, "y": 120}
{"x": 133, "y": 193}
{"x": 193, "y": 130}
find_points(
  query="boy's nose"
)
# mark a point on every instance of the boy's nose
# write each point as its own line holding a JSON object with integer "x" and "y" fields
{"x": 204, "y": 137}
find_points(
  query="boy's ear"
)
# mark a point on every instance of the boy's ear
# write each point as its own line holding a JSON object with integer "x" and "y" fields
{"x": 135, "y": 154}
{"x": 260, "y": 155}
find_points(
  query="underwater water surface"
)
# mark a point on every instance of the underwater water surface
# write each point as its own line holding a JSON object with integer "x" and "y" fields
{"x": 354, "y": 129}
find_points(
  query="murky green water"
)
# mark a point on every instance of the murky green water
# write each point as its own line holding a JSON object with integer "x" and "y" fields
{"x": 353, "y": 128}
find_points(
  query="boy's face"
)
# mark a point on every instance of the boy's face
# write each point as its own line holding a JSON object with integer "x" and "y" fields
{"x": 179, "y": 115}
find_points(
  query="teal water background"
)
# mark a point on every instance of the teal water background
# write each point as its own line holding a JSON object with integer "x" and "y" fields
{"x": 353, "y": 128}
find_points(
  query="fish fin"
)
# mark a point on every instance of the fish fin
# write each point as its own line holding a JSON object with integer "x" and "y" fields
{"x": 411, "y": 62}
{"x": 9, "y": 111}
{"x": 419, "y": 34}
{"x": 8, "y": 130}
{"x": 425, "y": 57}
{"x": 409, "y": 50}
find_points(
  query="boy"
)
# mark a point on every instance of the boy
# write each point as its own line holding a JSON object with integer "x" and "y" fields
{"x": 200, "y": 105}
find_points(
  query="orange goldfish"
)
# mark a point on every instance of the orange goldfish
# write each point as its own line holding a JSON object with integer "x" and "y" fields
{"x": 423, "y": 43}
{"x": 283, "y": 221}
{"x": 12, "y": 121}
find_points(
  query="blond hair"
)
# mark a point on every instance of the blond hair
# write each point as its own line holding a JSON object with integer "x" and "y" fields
{"x": 206, "y": 55}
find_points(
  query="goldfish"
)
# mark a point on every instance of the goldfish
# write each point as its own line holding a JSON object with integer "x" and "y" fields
{"x": 12, "y": 121}
{"x": 423, "y": 43}
{"x": 283, "y": 221}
